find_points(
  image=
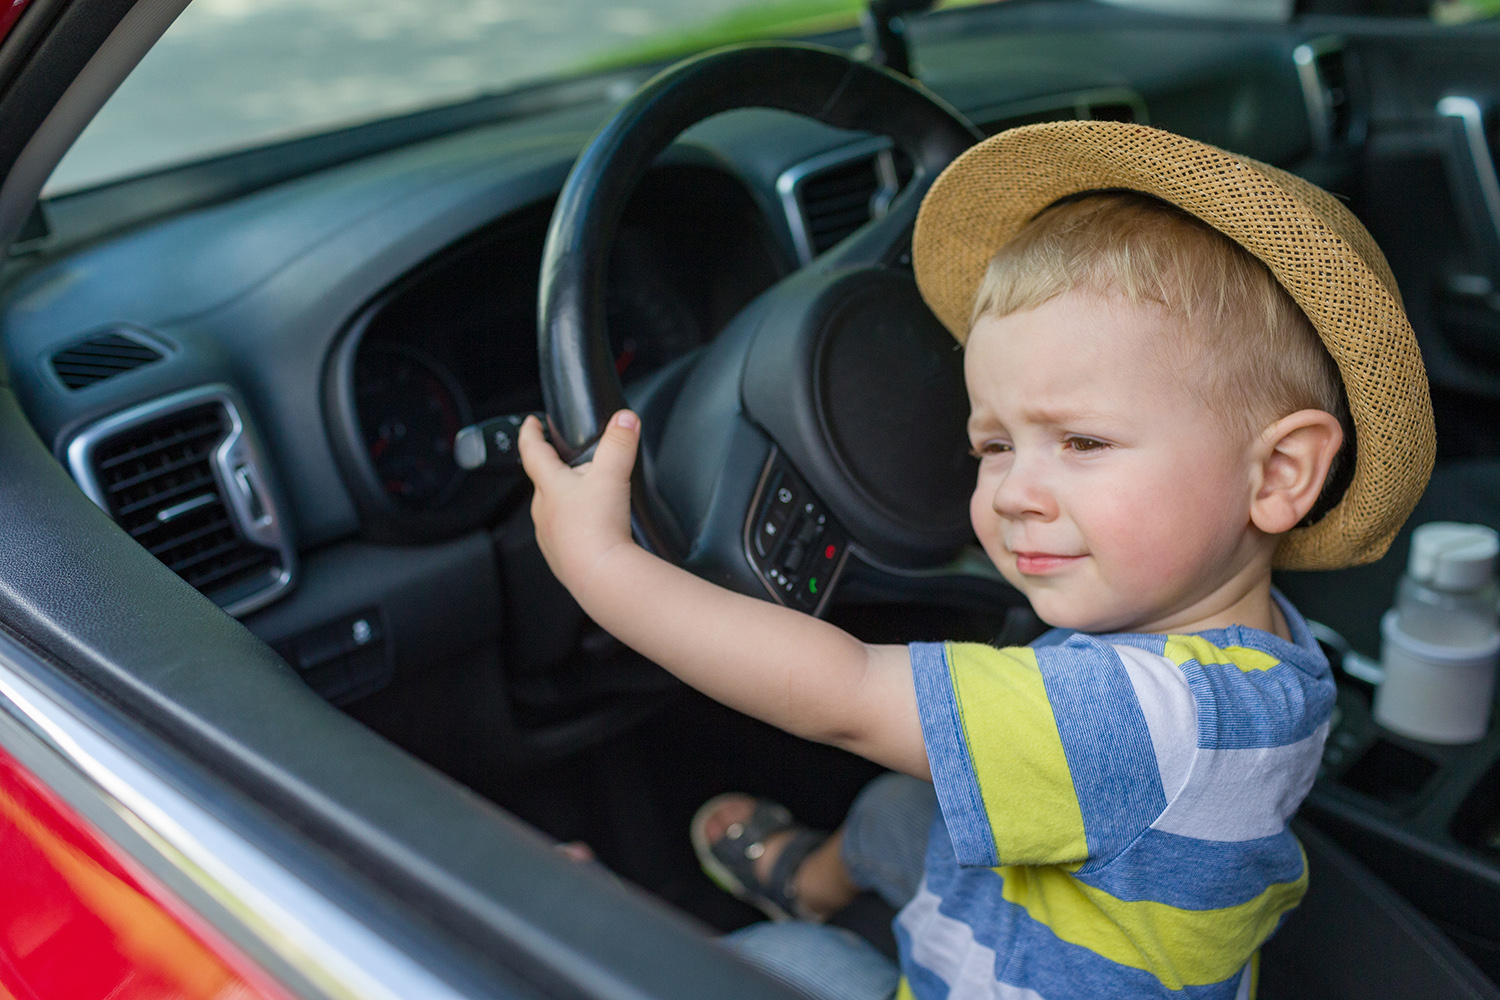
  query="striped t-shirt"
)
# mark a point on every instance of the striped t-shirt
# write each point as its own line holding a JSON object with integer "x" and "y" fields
{"x": 1114, "y": 812}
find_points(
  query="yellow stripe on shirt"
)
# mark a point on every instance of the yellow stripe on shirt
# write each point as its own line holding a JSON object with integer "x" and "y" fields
{"x": 1182, "y": 648}
{"x": 1179, "y": 947}
{"x": 1017, "y": 754}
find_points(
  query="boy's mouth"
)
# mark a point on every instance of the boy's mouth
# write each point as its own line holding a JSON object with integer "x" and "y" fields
{"x": 1041, "y": 563}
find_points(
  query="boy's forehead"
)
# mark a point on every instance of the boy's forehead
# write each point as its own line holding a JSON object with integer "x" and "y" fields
{"x": 1076, "y": 355}
{"x": 1075, "y": 329}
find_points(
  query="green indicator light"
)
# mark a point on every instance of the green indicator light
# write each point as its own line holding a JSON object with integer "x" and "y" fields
{"x": 812, "y": 584}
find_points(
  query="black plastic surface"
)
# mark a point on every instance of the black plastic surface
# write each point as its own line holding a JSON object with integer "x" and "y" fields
{"x": 794, "y": 544}
{"x": 863, "y": 389}
{"x": 1353, "y": 938}
{"x": 578, "y": 379}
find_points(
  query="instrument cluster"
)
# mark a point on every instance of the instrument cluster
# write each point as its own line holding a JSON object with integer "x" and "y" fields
{"x": 454, "y": 342}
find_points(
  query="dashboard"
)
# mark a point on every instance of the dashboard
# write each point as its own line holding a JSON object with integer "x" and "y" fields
{"x": 353, "y": 318}
{"x": 454, "y": 342}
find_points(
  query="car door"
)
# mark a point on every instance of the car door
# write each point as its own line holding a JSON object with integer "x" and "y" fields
{"x": 168, "y": 780}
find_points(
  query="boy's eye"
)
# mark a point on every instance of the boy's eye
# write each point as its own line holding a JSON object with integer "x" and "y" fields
{"x": 989, "y": 448}
{"x": 1085, "y": 443}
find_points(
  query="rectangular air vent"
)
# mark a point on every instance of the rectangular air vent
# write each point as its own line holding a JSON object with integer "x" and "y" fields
{"x": 181, "y": 479}
{"x": 102, "y": 356}
{"x": 830, "y": 196}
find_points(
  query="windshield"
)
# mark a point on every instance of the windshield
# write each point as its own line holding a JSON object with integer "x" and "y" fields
{"x": 232, "y": 74}
{"x": 236, "y": 74}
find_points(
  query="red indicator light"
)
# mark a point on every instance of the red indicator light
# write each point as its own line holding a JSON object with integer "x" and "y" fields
{"x": 828, "y": 552}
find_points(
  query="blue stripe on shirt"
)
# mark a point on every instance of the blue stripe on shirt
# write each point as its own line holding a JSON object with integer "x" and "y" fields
{"x": 1107, "y": 744}
{"x": 948, "y": 756}
{"x": 1245, "y": 709}
{"x": 1194, "y": 874}
{"x": 1037, "y": 958}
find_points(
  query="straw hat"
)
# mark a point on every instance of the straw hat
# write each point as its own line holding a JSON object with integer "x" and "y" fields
{"x": 1314, "y": 246}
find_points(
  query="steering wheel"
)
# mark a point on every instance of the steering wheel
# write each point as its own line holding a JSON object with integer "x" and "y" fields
{"x": 829, "y": 414}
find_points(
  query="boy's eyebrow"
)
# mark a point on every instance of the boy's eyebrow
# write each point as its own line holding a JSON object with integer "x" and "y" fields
{"x": 1062, "y": 415}
{"x": 1047, "y": 416}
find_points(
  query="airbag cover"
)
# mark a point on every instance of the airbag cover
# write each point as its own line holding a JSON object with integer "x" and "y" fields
{"x": 866, "y": 396}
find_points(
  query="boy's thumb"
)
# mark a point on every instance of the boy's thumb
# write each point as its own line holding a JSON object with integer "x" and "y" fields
{"x": 615, "y": 452}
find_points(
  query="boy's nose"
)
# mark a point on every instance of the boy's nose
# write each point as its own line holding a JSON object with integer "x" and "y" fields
{"x": 1022, "y": 492}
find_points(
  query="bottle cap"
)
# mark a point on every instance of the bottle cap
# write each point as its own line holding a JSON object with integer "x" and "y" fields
{"x": 1453, "y": 556}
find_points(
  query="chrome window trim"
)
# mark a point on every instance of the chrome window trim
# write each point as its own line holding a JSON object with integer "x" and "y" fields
{"x": 1315, "y": 89}
{"x": 336, "y": 954}
{"x": 239, "y": 468}
{"x": 789, "y": 186}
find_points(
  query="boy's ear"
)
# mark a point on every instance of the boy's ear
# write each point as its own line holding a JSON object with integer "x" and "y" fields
{"x": 1294, "y": 456}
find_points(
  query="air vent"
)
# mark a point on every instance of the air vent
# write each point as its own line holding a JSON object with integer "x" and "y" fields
{"x": 102, "y": 356}
{"x": 836, "y": 202}
{"x": 1323, "y": 71}
{"x": 829, "y": 197}
{"x": 180, "y": 478}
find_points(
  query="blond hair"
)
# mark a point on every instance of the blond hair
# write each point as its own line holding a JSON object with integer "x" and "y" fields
{"x": 1250, "y": 352}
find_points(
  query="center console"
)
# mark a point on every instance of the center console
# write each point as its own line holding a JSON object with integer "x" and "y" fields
{"x": 1424, "y": 817}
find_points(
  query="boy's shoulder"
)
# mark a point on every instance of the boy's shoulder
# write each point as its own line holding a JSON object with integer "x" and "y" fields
{"x": 1216, "y": 680}
{"x": 1244, "y": 648}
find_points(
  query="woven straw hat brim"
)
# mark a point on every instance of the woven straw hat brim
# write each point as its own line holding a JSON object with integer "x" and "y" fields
{"x": 1313, "y": 245}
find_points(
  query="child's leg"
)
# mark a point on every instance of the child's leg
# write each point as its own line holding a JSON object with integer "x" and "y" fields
{"x": 880, "y": 846}
{"x": 820, "y": 885}
{"x": 883, "y": 842}
{"x": 824, "y": 963}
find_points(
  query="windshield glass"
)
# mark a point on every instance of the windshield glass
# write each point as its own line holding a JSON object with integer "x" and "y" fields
{"x": 232, "y": 74}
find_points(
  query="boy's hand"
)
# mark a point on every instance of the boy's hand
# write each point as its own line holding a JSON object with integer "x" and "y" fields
{"x": 792, "y": 670}
{"x": 581, "y": 514}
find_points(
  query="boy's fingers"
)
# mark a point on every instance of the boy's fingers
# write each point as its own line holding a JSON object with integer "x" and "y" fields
{"x": 615, "y": 452}
{"x": 538, "y": 457}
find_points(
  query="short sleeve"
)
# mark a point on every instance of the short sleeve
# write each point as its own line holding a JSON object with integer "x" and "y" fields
{"x": 1039, "y": 756}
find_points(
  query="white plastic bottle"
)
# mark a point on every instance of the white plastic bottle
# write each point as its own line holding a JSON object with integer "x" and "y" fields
{"x": 1441, "y": 641}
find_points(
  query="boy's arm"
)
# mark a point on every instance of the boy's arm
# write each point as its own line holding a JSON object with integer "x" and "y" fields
{"x": 789, "y": 669}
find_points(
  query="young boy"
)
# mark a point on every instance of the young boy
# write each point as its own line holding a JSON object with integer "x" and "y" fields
{"x": 1156, "y": 420}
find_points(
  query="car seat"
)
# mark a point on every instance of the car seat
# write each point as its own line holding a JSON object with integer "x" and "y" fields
{"x": 1353, "y": 938}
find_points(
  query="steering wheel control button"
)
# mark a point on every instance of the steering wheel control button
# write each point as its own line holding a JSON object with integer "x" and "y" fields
{"x": 493, "y": 443}
{"x": 792, "y": 541}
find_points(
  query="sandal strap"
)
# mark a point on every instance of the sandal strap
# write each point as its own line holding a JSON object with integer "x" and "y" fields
{"x": 780, "y": 886}
{"x": 768, "y": 818}
{"x": 743, "y": 843}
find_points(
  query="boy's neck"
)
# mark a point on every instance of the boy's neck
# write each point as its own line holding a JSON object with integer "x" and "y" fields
{"x": 1245, "y": 599}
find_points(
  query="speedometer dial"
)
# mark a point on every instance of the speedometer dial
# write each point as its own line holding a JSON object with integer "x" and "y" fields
{"x": 410, "y": 408}
{"x": 649, "y": 323}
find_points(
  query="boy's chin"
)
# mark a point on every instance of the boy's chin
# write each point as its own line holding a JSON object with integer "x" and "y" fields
{"x": 1079, "y": 616}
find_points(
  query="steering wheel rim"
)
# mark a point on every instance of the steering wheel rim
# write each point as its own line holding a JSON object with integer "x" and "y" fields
{"x": 579, "y": 384}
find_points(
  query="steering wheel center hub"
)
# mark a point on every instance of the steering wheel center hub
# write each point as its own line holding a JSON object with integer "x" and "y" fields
{"x": 863, "y": 389}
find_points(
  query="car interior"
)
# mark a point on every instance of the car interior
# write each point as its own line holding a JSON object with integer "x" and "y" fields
{"x": 243, "y": 378}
